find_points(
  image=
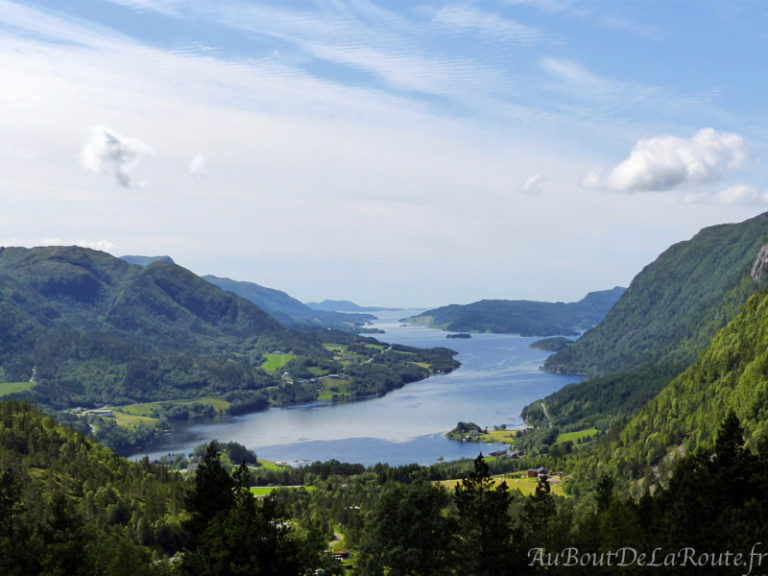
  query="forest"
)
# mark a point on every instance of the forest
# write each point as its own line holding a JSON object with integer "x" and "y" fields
{"x": 70, "y": 506}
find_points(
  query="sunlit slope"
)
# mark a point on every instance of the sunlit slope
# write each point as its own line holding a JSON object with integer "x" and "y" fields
{"x": 730, "y": 375}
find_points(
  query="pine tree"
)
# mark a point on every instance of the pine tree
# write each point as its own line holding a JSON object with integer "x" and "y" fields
{"x": 484, "y": 530}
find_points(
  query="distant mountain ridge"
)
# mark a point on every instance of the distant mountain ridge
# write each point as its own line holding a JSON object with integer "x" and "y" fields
{"x": 524, "y": 317}
{"x": 278, "y": 304}
{"x": 345, "y": 306}
{"x": 287, "y": 309}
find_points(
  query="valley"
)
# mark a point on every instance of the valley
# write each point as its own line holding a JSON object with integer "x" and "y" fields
{"x": 155, "y": 362}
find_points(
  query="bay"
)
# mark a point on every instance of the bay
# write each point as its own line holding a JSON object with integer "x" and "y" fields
{"x": 499, "y": 375}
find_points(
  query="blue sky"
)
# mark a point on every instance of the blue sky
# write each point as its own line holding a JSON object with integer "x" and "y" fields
{"x": 392, "y": 153}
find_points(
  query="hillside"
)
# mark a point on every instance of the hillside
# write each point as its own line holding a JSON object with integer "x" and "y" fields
{"x": 524, "y": 317}
{"x": 288, "y": 310}
{"x": 730, "y": 378}
{"x": 669, "y": 314}
{"x": 87, "y": 327}
{"x": 731, "y": 375}
{"x": 69, "y": 506}
{"x": 674, "y": 306}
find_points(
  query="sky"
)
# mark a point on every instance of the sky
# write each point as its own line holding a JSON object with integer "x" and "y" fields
{"x": 395, "y": 153}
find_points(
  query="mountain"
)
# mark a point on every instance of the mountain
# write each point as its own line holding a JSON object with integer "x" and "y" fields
{"x": 674, "y": 306}
{"x": 88, "y": 327}
{"x": 286, "y": 309}
{"x": 730, "y": 376}
{"x": 345, "y": 306}
{"x": 81, "y": 328}
{"x": 524, "y": 317}
{"x": 668, "y": 316}
{"x": 147, "y": 260}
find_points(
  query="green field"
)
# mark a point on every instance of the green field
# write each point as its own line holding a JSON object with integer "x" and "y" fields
{"x": 269, "y": 465}
{"x": 340, "y": 351}
{"x": 276, "y": 362}
{"x": 132, "y": 415}
{"x": 259, "y": 491}
{"x": 491, "y": 437}
{"x": 579, "y": 435}
{"x": 517, "y": 482}
{"x": 8, "y": 388}
{"x": 501, "y": 436}
{"x": 151, "y": 409}
{"x": 334, "y": 387}
{"x": 125, "y": 420}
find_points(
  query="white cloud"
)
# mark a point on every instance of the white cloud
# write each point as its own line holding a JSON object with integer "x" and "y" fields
{"x": 741, "y": 194}
{"x": 107, "y": 152}
{"x": 669, "y": 162}
{"x": 738, "y": 194}
{"x": 103, "y": 245}
{"x": 198, "y": 166}
{"x": 533, "y": 185}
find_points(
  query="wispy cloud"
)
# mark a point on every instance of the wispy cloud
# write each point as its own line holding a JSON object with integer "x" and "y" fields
{"x": 598, "y": 94}
{"x": 607, "y": 15}
{"x": 668, "y": 162}
{"x": 107, "y": 152}
{"x": 467, "y": 18}
{"x": 166, "y": 7}
{"x": 574, "y": 73}
{"x": 362, "y": 37}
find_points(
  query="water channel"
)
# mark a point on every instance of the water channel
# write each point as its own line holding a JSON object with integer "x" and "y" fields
{"x": 500, "y": 374}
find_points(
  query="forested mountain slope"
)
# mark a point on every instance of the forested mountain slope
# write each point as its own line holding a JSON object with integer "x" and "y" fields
{"x": 70, "y": 506}
{"x": 731, "y": 375}
{"x": 88, "y": 327}
{"x": 525, "y": 317}
{"x": 668, "y": 315}
{"x": 675, "y": 305}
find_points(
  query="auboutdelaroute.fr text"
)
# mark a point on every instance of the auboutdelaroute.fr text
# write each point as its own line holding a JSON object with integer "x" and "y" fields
{"x": 627, "y": 556}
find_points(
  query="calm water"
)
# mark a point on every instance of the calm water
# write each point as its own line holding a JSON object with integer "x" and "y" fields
{"x": 498, "y": 377}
